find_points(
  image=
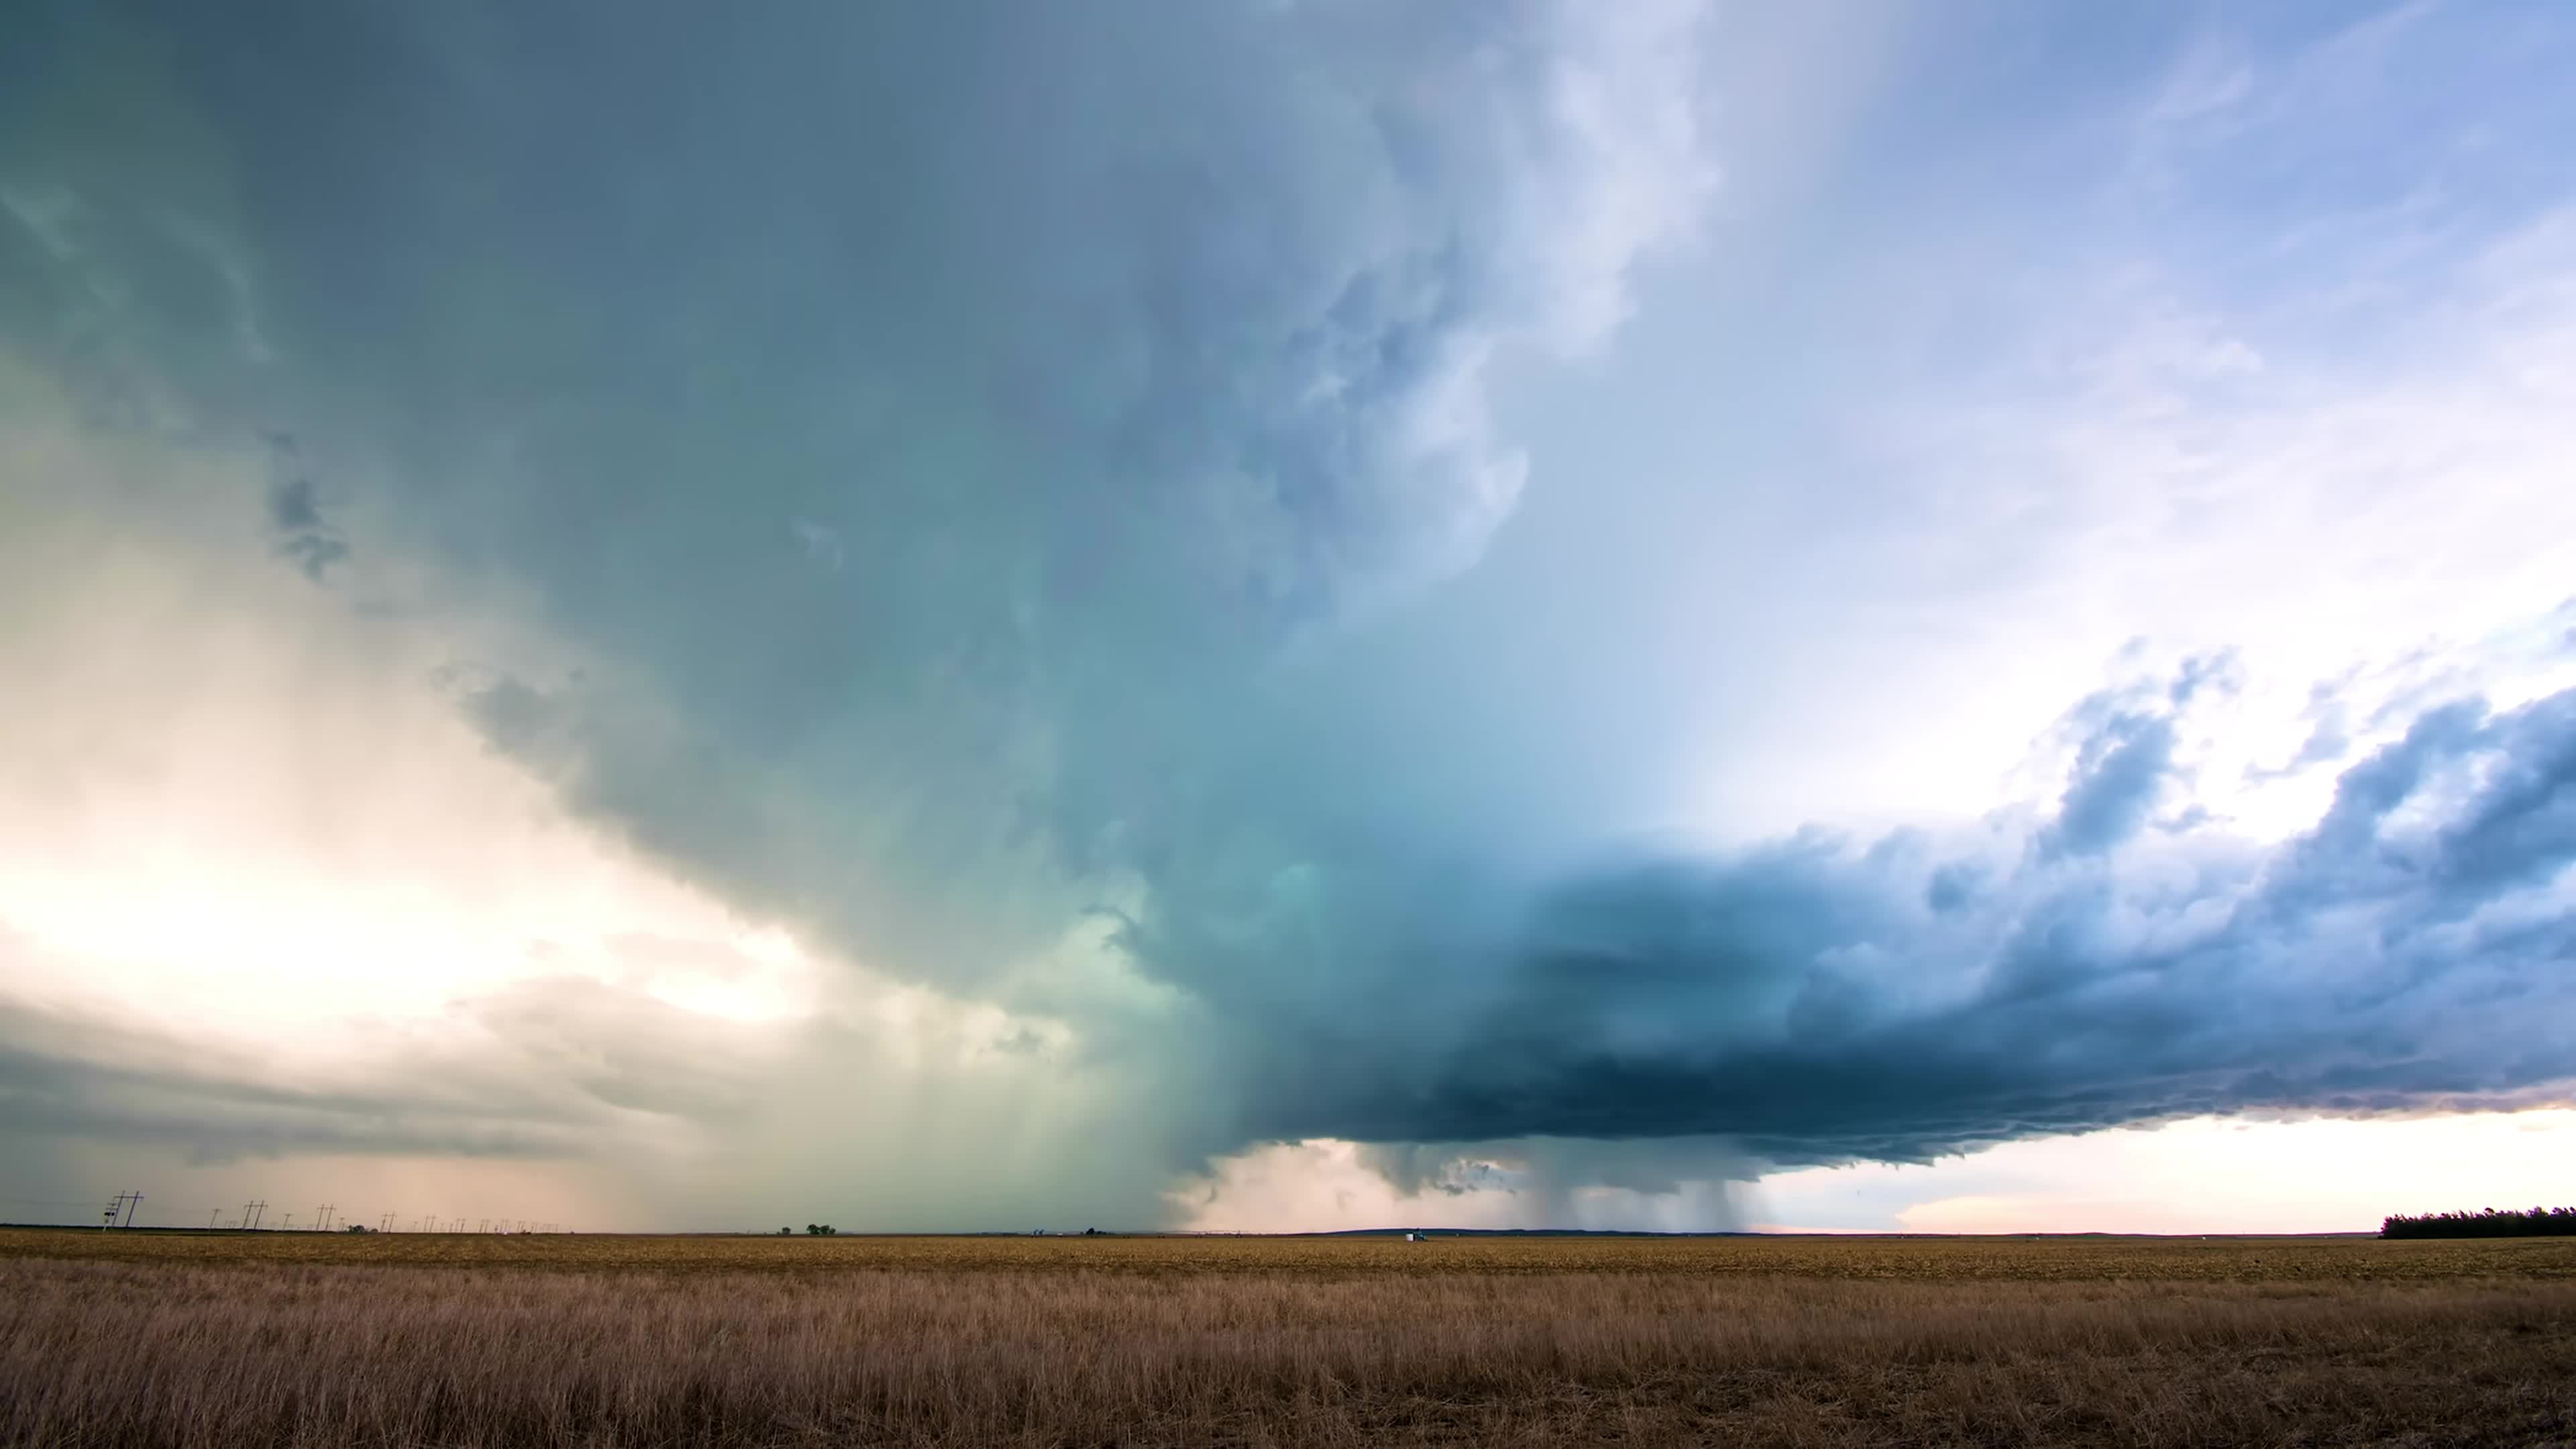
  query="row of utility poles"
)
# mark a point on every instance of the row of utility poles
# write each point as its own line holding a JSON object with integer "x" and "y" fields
{"x": 254, "y": 1217}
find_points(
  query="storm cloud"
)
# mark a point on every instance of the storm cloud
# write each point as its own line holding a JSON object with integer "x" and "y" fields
{"x": 1001, "y": 491}
{"x": 1111, "y": 352}
{"x": 1825, "y": 1000}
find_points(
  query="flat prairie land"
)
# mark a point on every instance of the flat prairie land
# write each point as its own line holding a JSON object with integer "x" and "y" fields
{"x": 287, "y": 1340}
{"x": 2076, "y": 1258}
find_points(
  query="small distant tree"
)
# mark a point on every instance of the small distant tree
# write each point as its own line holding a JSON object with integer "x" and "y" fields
{"x": 360, "y": 1228}
{"x": 820, "y": 1230}
{"x": 786, "y": 1232}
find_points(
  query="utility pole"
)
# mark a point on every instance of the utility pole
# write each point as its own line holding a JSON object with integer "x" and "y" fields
{"x": 210, "y": 1218}
{"x": 132, "y": 1201}
{"x": 115, "y": 1206}
{"x": 289, "y": 1225}
{"x": 252, "y": 1212}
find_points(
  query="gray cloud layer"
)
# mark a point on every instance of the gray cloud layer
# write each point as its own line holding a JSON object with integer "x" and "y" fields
{"x": 1823, "y": 1000}
{"x": 962, "y": 443}
{"x": 980, "y": 388}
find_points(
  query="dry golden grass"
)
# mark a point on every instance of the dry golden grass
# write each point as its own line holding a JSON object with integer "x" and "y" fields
{"x": 286, "y": 1342}
{"x": 1945, "y": 1259}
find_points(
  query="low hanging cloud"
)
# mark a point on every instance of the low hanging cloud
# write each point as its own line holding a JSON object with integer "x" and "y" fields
{"x": 1826, "y": 1001}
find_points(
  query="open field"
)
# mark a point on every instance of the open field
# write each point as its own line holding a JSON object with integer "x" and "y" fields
{"x": 295, "y": 1340}
{"x": 1947, "y": 1259}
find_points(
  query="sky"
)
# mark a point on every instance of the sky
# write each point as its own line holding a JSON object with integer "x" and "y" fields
{"x": 1288, "y": 614}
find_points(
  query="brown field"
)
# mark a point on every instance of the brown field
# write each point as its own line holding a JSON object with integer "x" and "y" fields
{"x": 279, "y": 1340}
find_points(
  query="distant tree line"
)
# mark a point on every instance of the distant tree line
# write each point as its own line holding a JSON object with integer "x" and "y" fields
{"x": 2486, "y": 1223}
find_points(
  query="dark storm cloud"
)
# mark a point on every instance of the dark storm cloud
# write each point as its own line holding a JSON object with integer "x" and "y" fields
{"x": 1823, "y": 1001}
{"x": 957, "y": 442}
{"x": 929, "y": 418}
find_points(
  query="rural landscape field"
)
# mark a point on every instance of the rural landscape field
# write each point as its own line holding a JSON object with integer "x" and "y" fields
{"x": 273, "y": 1339}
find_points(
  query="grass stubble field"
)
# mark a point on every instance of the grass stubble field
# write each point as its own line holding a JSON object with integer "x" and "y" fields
{"x": 290, "y": 1340}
